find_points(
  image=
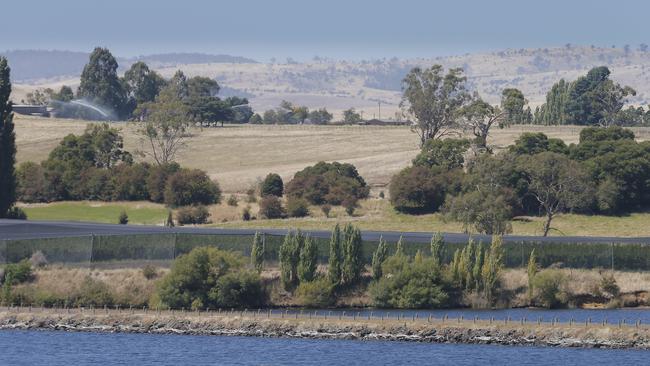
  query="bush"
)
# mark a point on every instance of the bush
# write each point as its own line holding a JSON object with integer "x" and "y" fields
{"x": 297, "y": 207}
{"x": 272, "y": 186}
{"x": 209, "y": 277}
{"x": 232, "y": 200}
{"x": 157, "y": 180}
{"x": 271, "y": 208}
{"x": 192, "y": 215}
{"x": 419, "y": 189}
{"x": 417, "y": 286}
{"x": 16, "y": 213}
{"x": 609, "y": 287}
{"x": 327, "y": 183}
{"x": 382, "y": 195}
{"x": 482, "y": 212}
{"x": 191, "y": 187}
{"x": 94, "y": 293}
{"x": 550, "y": 286}
{"x": 350, "y": 205}
{"x": 130, "y": 182}
{"x": 250, "y": 194}
{"x": 20, "y": 272}
{"x": 326, "y": 209}
{"x": 31, "y": 184}
{"x": 315, "y": 294}
{"x": 149, "y": 272}
{"x": 123, "y": 219}
{"x": 246, "y": 214}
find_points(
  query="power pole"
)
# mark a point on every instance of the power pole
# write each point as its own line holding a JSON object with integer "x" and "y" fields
{"x": 379, "y": 103}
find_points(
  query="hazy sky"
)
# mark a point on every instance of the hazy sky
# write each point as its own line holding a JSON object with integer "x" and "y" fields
{"x": 349, "y": 29}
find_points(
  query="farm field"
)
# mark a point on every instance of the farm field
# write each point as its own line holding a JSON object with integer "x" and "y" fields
{"x": 239, "y": 156}
{"x": 143, "y": 213}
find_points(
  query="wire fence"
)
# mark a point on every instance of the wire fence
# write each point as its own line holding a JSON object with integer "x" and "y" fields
{"x": 370, "y": 316}
{"x": 160, "y": 249}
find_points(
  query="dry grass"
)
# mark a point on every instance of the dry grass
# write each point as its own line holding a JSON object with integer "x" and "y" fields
{"x": 237, "y": 156}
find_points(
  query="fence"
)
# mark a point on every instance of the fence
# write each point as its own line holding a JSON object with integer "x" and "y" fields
{"x": 136, "y": 250}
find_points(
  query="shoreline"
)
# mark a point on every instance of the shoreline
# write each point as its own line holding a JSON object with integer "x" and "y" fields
{"x": 253, "y": 324}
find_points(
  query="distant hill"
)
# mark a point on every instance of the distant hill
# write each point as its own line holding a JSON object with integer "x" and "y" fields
{"x": 29, "y": 66}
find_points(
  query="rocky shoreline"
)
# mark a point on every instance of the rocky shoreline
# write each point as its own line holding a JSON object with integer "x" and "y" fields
{"x": 466, "y": 332}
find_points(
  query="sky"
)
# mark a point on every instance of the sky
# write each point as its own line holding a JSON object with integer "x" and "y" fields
{"x": 342, "y": 29}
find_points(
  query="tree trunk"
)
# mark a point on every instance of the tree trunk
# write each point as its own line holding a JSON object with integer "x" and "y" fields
{"x": 547, "y": 224}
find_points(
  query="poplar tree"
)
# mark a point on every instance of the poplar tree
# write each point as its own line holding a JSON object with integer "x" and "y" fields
{"x": 7, "y": 143}
{"x": 308, "y": 261}
{"x": 399, "y": 250}
{"x": 378, "y": 258}
{"x": 289, "y": 257}
{"x": 352, "y": 261}
{"x": 436, "y": 248}
{"x": 532, "y": 271}
{"x": 492, "y": 268}
{"x": 334, "y": 261}
{"x": 257, "y": 252}
{"x": 478, "y": 266}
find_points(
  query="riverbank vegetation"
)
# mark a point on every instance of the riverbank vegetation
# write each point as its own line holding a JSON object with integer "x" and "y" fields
{"x": 299, "y": 274}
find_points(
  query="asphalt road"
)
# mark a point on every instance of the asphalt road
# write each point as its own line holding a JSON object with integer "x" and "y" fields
{"x": 15, "y": 229}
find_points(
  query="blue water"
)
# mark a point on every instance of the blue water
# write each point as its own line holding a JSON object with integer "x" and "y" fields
{"x": 60, "y": 348}
{"x": 613, "y": 316}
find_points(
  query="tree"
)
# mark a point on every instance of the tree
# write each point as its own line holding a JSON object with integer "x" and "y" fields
{"x": 271, "y": 208}
{"x": 531, "y": 143}
{"x": 399, "y": 247}
{"x": 334, "y": 261}
{"x": 444, "y": 153}
{"x": 418, "y": 189}
{"x": 289, "y": 256}
{"x": 142, "y": 84}
{"x": 492, "y": 267}
{"x": 531, "y": 270}
{"x": 479, "y": 116}
{"x": 553, "y": 111}
{"x": 257, "y": 252}
{"x": 352, "y": 256}
{"x": 272, "y": 185}
{"x": 332, "y": 183}
{"x": 351, "y": 116}
{"x": 557, "y": 183}
{"x": 437, "y": 242}
{"x": 308, "y": 260}
{"x": 100, "y": 84}
{"x": 512, "y": 105}
{"x": 378, "y": 258}
{"x": 433, "y": 100}
{"x": 164, "y": 124}
{"x": 485, "y": 212}
{"x": 320, "y": 116}
{"x": 7, "y": 142}
{"x": 65, "y": 94}
{"x": 191, "y": 187}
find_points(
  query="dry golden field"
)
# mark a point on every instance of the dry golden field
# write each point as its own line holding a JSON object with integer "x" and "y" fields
{"x": 238, "y": 156}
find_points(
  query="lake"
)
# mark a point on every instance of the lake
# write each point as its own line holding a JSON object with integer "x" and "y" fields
{"x": 62, "y": 348}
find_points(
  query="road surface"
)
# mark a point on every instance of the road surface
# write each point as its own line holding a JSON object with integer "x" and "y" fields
{"x": 16, "y": 229}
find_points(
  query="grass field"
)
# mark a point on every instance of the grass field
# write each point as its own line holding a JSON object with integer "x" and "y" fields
{"x": 374, "y": 214}
{"x": 237, "y": 156}
{"x": 139, "y": 212}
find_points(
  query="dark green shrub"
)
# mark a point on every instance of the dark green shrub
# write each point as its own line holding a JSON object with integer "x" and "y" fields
{"x": 16, "y": 213}
{"x": 130, "y": 182}
{"x": 551, "y": 288}
{"x": 315, "y": 294}
{"x": 157, "y": 180}
{"x": 297, "y": 207}
{"x": 16, "y": 273}
{"x": 271, "y": 208}
{"x": 31, "y": 184}
{"x": 212, "y": 278}
{"x": 419, "y": 189}
{"x": 192, "y": 215}
{"x": 246, "y": 213}
{"x": 123, "y": 219}
{"x": 327, "y": 183}
{"x": 272, "y": 185}
{"x": 191, "y": 187}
